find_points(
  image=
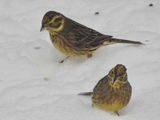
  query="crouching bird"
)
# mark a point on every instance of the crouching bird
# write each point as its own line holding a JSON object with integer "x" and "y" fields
{"x": 112, "y": 92}
{"x": 74, "y": 39}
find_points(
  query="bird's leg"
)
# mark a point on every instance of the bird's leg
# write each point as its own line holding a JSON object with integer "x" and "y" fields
{"x": 64, "y": 59}
{"x": 89, "y": 55}
{"x": 117, "y": 113}
{"x": 92, "y": 105}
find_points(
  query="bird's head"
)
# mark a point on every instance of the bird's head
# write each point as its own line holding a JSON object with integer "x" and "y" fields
{"x": 118, "y": 75}
{"x": 53, "y": 22}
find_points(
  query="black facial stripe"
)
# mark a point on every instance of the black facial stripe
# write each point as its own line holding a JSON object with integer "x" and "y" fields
{"x": 57, "y": 25}
{"x": 115, "y": 72}
{"x": 58, "y": 20}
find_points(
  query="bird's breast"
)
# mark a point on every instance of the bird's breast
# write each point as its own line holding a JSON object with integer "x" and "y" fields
{"x": 64, "y": 46}
{"x": 67, "y": 47}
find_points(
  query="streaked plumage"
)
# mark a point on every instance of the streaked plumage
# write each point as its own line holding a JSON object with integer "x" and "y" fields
{"x": 74, "y": 39}
{"x": 112, "y": 92}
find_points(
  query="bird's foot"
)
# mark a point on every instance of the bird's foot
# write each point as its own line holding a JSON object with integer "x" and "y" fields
{"x": 64, "y": 59}
{"x": 92, "y": 105}
{"x": 117, "y": 113}
{"x": 89, "y": 55}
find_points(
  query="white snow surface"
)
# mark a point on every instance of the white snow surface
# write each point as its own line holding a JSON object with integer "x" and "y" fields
{"x": 35, "y": 86}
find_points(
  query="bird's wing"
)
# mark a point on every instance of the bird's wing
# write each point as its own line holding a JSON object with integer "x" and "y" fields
{"x": 85, "y": 36}
{"x": 101, "y": 85}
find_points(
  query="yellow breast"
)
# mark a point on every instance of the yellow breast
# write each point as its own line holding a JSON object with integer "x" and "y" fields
{"x": 115, "y": 106}
{"x": 63, "y": 45}
{"x": 60, "y": 44}
{"x": 112, "y": 98}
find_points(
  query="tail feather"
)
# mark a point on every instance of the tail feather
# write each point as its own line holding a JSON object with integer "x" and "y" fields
{"x": 115, "y": 40}
{"x": 125, "y": 41}
{"x": 86, "y": 93}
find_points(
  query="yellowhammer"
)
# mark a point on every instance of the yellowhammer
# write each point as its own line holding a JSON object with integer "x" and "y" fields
{"x": 112, "y": 92}
{"x": 74, "y": 39}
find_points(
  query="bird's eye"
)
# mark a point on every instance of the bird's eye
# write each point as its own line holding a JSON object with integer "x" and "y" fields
{"x": 112, "y": 72}
{"x": 58, "y": 20}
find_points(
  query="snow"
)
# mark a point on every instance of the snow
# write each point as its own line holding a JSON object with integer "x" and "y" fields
{"x": 35, "y": 86}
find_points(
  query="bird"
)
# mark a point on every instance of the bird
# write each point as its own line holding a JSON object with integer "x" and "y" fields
{"x": 113, "y": 91}
{"x": 74, "y": 39}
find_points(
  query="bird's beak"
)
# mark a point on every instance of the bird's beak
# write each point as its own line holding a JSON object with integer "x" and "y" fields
{"x": 114, "y": 79}
{"x": 42, "y": 28}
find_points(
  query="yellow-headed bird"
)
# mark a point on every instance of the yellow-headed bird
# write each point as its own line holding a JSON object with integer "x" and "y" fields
{"x": 74, "y": 39}
{"x": 112, "y": 92}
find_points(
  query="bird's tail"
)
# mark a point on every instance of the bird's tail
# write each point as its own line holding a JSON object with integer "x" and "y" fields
{"x": 86, "y": 93}
{"x": 115, "y": 40}
{"x": 125, "y": 41}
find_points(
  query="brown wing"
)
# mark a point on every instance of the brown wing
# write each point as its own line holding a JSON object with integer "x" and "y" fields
{"x": 87, "y": 37}
{"x": 101, "y": 85}
{"x": 103, "y": 93}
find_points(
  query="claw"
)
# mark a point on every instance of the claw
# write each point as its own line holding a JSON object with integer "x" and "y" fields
{"x": 64, "y": 59}
{"x": 117, "y": 113}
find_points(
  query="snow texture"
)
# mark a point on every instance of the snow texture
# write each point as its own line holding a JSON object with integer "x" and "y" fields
{"x": 35, "y": 86}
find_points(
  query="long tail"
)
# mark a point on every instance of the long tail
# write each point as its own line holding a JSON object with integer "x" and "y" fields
{"x": 125, "y": 41}
{"x": 115, "y": 40}
{"x": 86, "y": 93}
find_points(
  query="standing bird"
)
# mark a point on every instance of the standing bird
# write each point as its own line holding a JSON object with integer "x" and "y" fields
{"x": 112, "y": 92}
{"x": 74, "y": 39}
